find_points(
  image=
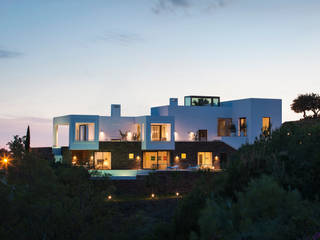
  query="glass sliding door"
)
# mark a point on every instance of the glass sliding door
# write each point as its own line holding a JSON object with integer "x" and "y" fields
{"x": 205, "y": 159}
{"x": 156, "y": 160}
{"x": 160, "y": 132}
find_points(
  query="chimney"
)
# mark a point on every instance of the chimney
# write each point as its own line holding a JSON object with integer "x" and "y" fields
{"x": 174, "y": 102}
{"x": 115, "y": 110}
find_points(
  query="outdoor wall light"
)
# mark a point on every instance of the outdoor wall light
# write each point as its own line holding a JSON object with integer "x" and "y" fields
{"x": 177, "y": 194}
{"x": 153, "y": 195}
{"x": 109, "y": 197}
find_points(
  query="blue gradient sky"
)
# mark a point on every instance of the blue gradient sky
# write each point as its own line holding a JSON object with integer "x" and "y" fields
{"x": 62, "y": 57}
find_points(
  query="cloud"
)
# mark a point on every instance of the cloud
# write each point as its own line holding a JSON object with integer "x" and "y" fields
{"x": 122, "y": 38}
{"x": 9, "y": 54}
{"x": 175, "y": 5}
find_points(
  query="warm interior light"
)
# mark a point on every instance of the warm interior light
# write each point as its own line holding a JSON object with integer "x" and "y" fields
{"x": 191, "y": 135}
{"x": 129, "y": 136}
{"x": 105, "y": 163}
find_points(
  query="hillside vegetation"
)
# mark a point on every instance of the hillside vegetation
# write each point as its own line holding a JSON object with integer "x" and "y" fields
{"x": 269, "y": 190}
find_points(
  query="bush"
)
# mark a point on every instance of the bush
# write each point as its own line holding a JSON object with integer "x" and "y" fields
{"x": 263, "y": 211}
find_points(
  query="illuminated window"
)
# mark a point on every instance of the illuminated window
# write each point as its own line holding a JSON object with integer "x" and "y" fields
{"x": 160, "y": 132}
{"x": 131, "y": 156}
{"x": 84, "y": 132}
{"x": 242, "y": 127}
{"x": 266, "y": 123}
{"x": 137, "y": 136}
{"x": 183, "y": 156}
{"x": 224, "y": 126}
{"x": 102, "y": 160}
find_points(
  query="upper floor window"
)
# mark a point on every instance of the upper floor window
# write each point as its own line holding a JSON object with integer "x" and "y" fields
{"x": 224, "y": 125}
{"x": 201, "y": 101}
{"x": 203, "y": 135}
{"x": 266, "y": 125}
{"x": 160, "y": 132}
{"x": 84, "y": 132}
{"x": 242, "y": 127}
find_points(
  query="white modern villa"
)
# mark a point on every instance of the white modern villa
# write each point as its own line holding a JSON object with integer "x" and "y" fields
{"x": 200, "y": 133}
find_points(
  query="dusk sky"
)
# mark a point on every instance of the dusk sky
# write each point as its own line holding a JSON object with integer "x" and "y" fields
{"x": 61, "y": 57}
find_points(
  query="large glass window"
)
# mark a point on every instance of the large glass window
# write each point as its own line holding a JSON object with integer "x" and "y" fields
{"x": 84, "y": 132}
{"x": 103, "y": 160}
{"x": 201, "y": 101}
{"x": 156, "y": 160}
{"x": 160, "y": 132}
{"x": 224, "y": 126}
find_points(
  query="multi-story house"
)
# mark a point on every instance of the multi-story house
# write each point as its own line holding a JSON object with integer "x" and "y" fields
{"x": 201, "y": 133}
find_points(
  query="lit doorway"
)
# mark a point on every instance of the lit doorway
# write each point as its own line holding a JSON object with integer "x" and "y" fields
{"x": 205, "y": 159}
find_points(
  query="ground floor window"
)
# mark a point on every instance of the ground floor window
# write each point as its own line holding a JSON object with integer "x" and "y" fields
{"x": 156, "y": 160}
{"x": 103, "y": 160}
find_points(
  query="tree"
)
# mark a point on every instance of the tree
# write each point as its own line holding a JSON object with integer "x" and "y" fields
{"x": 17, "y": 147}
{"x": 200, "y": 102}
{"x": 307, "y": 102}
{"x": 315, "y": 104}
{"x": 27, "y": 140}
{"x": 300, "y": 104}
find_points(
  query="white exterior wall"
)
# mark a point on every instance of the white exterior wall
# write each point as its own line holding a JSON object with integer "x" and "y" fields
{"x": 183, "y": 120}
{"x": 147, "y": 144}
{"x": 71, "y": 120}
{"x": 193, "y": 118}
